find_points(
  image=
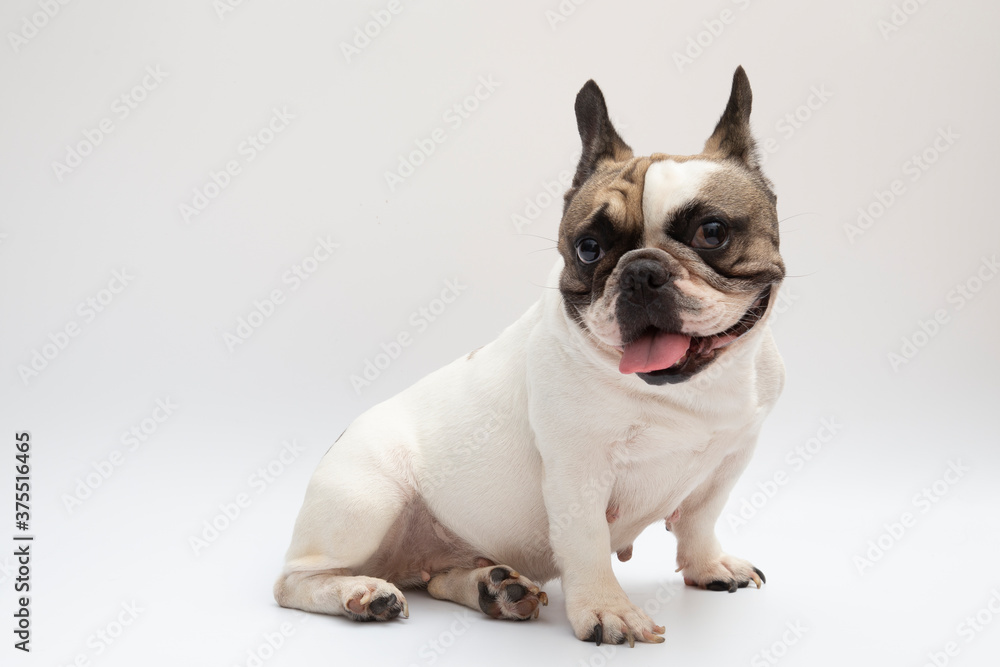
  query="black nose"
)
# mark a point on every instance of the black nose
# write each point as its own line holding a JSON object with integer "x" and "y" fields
{"x": 642, "y": 277}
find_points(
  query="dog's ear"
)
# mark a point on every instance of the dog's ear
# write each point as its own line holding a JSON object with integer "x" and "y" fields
{"x": 600, "y": 140}
{"x": 732, "y": 138}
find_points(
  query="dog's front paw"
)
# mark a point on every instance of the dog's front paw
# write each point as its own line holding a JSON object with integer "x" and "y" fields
{"x": 612, "y": 619}
{"x": 371, "y": 599}
{"x": 726, "y": 573}
{"x": 503, "y": 593}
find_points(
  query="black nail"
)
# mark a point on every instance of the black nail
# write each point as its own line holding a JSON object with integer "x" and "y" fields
{"x": 598, "y": 634}
{"x": 760, "y": 574}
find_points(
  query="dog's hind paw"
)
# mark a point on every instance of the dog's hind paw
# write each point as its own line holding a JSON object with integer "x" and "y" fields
{"x": 375, "y": 600}
{"x": 504, "y": 593}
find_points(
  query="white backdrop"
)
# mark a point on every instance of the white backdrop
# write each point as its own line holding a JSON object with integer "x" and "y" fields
{"x": 170, "y": 169}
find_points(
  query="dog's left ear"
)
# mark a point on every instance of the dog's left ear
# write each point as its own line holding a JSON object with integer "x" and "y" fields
{"x": 600, "y": 139}
{"x": 732, "y": 136}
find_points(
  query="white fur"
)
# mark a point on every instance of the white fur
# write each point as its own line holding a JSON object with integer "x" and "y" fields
{"x": 472, "y": 440}
{"x": 669, "y": 185}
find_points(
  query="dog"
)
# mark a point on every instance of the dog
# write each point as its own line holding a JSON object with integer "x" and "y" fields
{"x": 632, "y": 393}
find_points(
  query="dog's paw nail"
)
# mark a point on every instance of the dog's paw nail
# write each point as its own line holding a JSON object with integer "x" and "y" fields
{"x": 597, "y": 634}
{"x": 719, "y": 586}
{"x": 760, "y": 574}
{"x": 653, "y": 639}
{"x": 659, "y": 629}
{"x": 544, "y": 599}
{"x": 630, "y": 638}
{"x": 514, "y": 574}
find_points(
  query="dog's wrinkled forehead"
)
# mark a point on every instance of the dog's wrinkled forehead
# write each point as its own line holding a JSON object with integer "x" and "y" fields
{"x": 647, "y": 198}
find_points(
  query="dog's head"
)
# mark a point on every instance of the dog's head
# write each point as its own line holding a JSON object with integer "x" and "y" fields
{"x": 669, "y": 259}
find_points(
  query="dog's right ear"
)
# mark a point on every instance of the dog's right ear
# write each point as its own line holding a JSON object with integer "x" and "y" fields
{"x": 732, "y": 137}
{"x": 600, "y": 140}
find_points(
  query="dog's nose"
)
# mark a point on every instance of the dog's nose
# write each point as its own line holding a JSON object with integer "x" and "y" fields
{"x": 642, "y": 274}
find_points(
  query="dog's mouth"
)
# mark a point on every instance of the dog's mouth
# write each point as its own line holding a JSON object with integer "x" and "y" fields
{"x": 662, "y": 357}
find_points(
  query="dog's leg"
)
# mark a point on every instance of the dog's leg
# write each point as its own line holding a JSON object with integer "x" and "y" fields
{"x": 338, "y": 593}
{"x": 351, "y": 504}
{"x": 499, "y": 591}
{"x": 598, "y": 608}
{"x": 699, "y": 554}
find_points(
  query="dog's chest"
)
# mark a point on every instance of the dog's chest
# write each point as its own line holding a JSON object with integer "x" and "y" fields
{"x": 653, "y": 467}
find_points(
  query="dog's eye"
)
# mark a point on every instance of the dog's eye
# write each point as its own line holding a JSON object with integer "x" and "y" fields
{"x": 589, "y": 250}
{"x": 711, "y": 234}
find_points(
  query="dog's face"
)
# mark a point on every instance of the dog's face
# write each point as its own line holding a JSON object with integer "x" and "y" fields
{"x": 669, "y": 259}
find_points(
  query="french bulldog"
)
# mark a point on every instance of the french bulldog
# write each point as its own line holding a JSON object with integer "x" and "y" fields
{"x": 632, "y": 393}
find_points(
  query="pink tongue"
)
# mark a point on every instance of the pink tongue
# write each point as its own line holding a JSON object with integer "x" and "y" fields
{"x": 653, "y": 352}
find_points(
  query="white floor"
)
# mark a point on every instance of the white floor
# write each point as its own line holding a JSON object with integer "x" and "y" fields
{"x": 124, "y": 556}
{"x": 886, "y": 260}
